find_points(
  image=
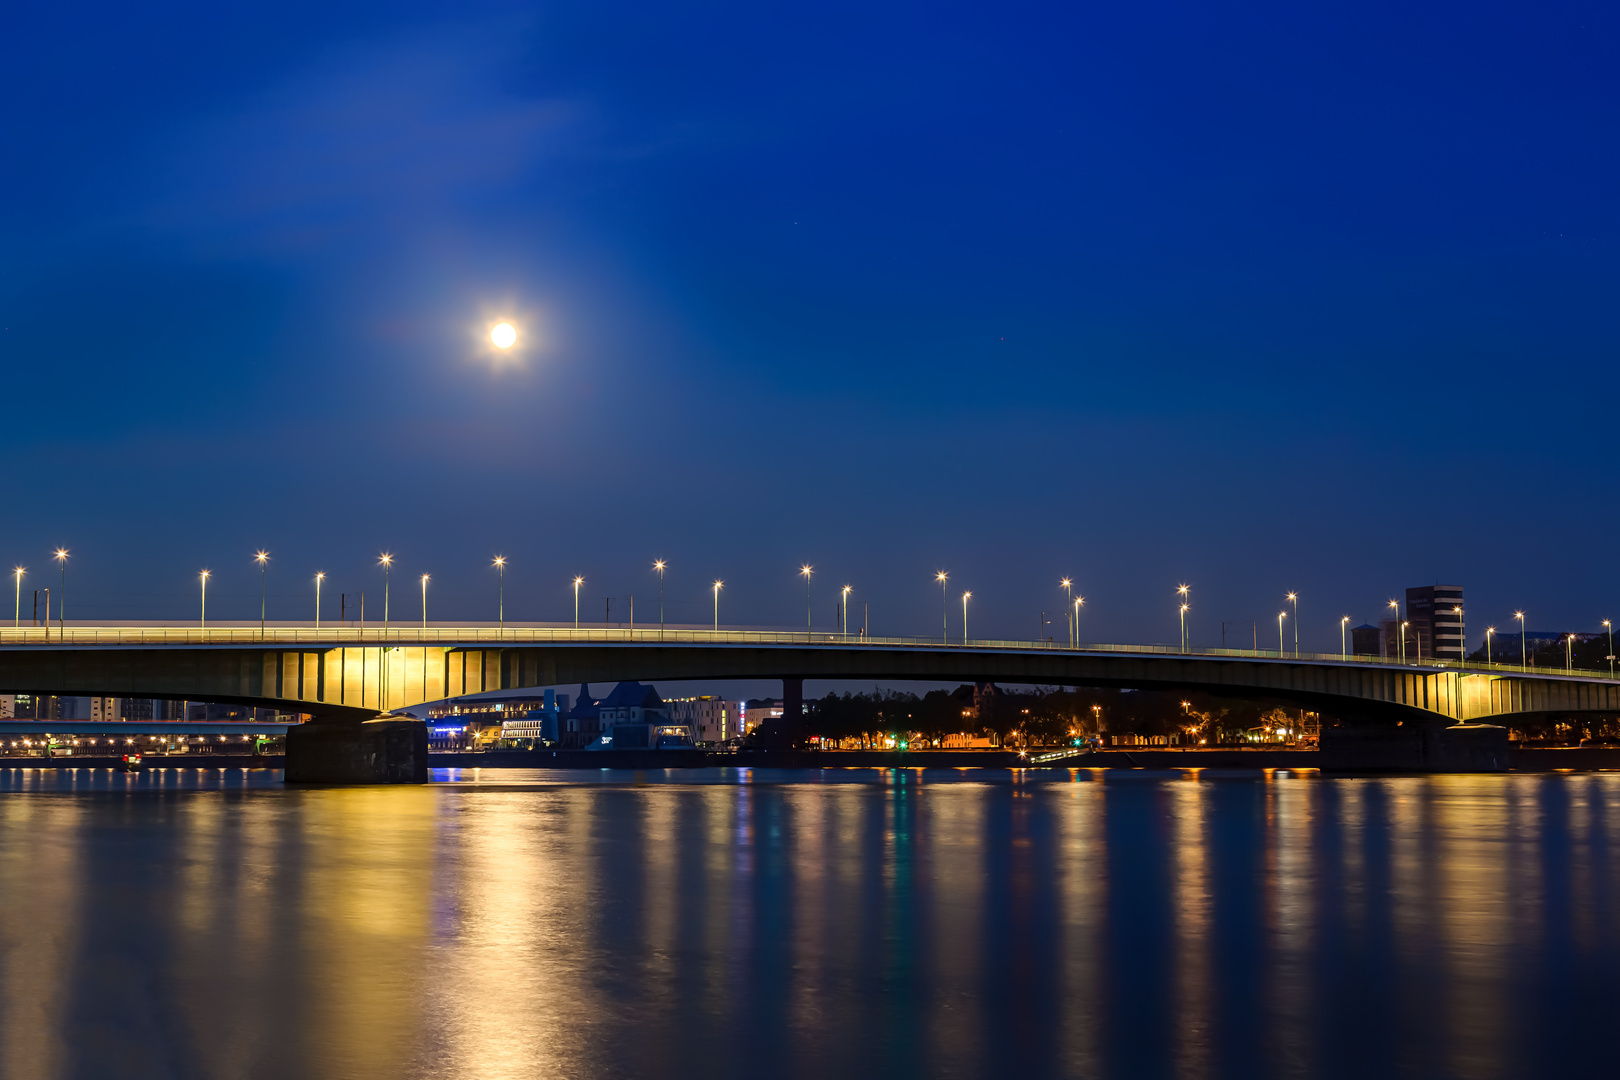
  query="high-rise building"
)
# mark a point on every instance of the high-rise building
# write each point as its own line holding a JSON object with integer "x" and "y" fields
{"x": 1434, "y": 613}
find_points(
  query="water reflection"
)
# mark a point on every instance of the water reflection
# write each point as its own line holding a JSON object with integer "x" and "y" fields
{"x": 874, "y": 923}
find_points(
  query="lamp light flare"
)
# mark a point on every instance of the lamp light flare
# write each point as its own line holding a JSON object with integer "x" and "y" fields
{"x": 503, "y": 335}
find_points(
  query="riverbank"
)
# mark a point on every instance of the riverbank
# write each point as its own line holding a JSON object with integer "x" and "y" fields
{"x": 1525, "y": 759}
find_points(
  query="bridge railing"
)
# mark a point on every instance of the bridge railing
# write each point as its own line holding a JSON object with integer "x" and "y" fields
{"x": 449, "y": 636}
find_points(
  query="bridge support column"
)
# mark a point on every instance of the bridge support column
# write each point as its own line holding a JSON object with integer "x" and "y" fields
{"x": 793, "y": 710}
{"x": 1414, "y": 747}
{"x": 387, "y": 750}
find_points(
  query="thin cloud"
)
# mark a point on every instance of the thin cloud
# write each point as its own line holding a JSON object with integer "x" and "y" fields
{"x": 394, "y": 137}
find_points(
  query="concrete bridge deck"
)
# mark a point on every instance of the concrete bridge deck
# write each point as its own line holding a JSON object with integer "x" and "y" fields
{"x": 355, "y": 673}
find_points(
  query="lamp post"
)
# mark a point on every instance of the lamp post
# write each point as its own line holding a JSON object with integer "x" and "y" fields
{"x": 1606, "y": 625}
{"x": 261, "y": 558}
{"x": 203, "y": 620}
{"x": 1404, "y": 625}
{"x": 1462, "y": 634}
{"x": 1401, "y": 647}
{"x": 1524, "y": 641}
{"x": 1569, "y": 653}
{"x": 578, "y": 581}
{"x": 318, "y": 579}
{"x": 1181, "y": 590}
{"x": 845, "y": 615}
{"x": 61, "y": 603}
{"x": 1079, "y": 602}
{"x": 500, "y": 565}
{"x": 806, "y": 570}
{"x": 1490, "y": 631}
{"x": 424, "y": 601}
{"x": 1344, "y": 651}
{"x": 387, "y": 562}
{"x": 1068, "y": 593}
{"x": 944, "y": 605}
{"x": 658, "y": 565}
{"x": 717, "y": 587}
{"x": 1281, "y": 615}
{"x": 964, "y": 616}
{"x": 1294, "y": 599}
{"x": 18, "y": 573}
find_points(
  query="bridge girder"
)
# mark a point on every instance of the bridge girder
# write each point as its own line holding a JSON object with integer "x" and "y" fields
{"x": 357, "y": 682}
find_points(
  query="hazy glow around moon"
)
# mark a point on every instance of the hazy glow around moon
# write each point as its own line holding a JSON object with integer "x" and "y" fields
{"x": 504, "y": 336}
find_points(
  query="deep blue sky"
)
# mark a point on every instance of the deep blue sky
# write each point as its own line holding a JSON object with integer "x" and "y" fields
{"x": 1257, "y": 297}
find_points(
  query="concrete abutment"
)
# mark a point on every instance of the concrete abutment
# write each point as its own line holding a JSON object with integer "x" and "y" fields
{"x": 387, "y": 750}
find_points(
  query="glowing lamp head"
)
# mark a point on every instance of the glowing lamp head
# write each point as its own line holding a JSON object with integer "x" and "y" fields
{"x": 320, "y": 577}
{"x": 805, "y": 570}
{"x": 61, "y": 553}
{"x": 659, "y": 566}
{"x": 386, "y": 559}
{"x": 1293, "y": 596}
{"x": 500, "y": 560}
{"x": 261, "y": 557}
{"x": 503, "y": 335}
{"x": 1065, "y": 583}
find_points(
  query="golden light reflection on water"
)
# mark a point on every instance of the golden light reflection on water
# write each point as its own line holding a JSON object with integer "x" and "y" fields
{"x": 1077, "y": 923}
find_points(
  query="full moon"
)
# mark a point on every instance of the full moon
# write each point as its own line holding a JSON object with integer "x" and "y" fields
{"x": 504, "y": 336}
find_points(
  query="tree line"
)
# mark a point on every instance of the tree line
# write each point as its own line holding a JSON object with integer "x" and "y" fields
{"x": 1038, "y": 716}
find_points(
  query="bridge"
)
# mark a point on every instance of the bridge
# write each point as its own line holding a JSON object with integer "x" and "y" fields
{"x": 350, "y": 674}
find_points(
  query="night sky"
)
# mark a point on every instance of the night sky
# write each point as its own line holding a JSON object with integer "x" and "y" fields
{"x": 1253, "y": 297}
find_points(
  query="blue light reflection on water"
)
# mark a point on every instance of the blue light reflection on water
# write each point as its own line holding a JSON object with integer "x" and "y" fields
{"x": 194, "y": 922}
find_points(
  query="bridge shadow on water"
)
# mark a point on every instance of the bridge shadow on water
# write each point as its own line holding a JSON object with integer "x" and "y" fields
{"x": 843, "y": 923}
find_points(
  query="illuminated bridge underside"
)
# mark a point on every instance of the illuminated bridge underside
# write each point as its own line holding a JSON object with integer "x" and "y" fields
{"x": 360, "y": 681}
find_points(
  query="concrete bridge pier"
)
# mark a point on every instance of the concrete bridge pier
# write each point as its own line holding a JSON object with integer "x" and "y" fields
{"x": 1414, "y": 746}
{"x": 386, "y": 750}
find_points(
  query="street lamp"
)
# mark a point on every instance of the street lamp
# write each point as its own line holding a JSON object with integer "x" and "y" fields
{"x": 1294, "y": 599}
{"x": 845, "y": 615}
{"x": 1344, "y": 651}
{"x": 658, "y": 565}
{"x": 1401, "y": 648}
{"x": 1068, "y": 593}
{"x": 261, "y": 558}
{"x": 318, "y": 579}
{"x": 578, "y": 581}
{"x": 500, "y": 565}
{"x": 18, "y": 573}
{"x": 964, "y": 616}
{"x": 1281, "y": 615}
{"x": 1462, "y": 633}
{"x": 806, "y": 570}
{"x": 1607, "y": 626}
{"x": 1181, "y": 590}
{"x": 61, "y": 603}
{"x": 203, "y": 621}
{"x": 1569, "y": 654}
{"x": 1490, "y": 631}
{"x": 717, "y": 587}
{"x": 387, "y": 562}
{"x": 1524, "y": 641}
{"x": 424, "y": 601}
{"x": 1404, "y": 625}
{"x": 943, "y": 607}
{"x": 1079, "y": 602}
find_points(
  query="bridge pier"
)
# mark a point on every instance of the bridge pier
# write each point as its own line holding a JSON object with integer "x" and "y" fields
{"x": 387, "y": 750}
{"x": 1414, "y": 747}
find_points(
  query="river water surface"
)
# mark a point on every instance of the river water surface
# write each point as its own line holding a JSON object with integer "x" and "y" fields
{"x": 853, "y": 923}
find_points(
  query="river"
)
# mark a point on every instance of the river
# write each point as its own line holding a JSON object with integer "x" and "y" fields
{"x": 849, "y": 924}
